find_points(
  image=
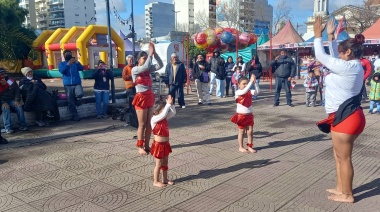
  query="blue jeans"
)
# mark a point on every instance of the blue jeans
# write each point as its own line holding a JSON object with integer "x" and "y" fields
{"x": 212, "y": 81}
{"x": 219, "y": 88}
{"x": 73, "y": 92}
{"x": 102, "y": 96}
{"x": 7, "y": 115}
{"x": 177, "y": 89}
{"x": 279, "y": 82}
{"x": 254, "y": 87}
{"x": 372, "y": 104}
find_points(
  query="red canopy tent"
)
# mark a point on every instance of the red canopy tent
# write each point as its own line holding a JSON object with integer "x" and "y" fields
{"x": 286, "y": 38}
{"x": 372, "y": 34}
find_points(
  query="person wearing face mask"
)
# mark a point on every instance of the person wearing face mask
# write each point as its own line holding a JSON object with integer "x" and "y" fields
{"x": 72, "y": 82}
{"x": 102, "y": 78}
{"x": 35, "y": 97}
{"x": 285, "y": 69}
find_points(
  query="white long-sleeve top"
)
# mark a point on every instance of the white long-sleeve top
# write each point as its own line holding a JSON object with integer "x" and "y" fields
{"x": 168, "y": 112}
{"x": 345, "y": 79}
{"x": 241, "y": 108}
{"x": 242, "y": 67}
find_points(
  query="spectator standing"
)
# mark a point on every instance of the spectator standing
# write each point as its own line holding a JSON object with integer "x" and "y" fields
{"x": 311, "y": 85}
{"x": 201, "y": 75}
{"x": 254, "y": 67}
{"x": 285, "y": 69}
{"x": 220, "y": 77}
{"x": 213, "y": 68}
{"x": 72, "y": 82}
{"x": 367, "y": 72}
{"x": 11, "y": 100}
{"x": 229, "y": 66}
{"x": 102, "y": 77}
{"x": 175, "y": 76}
{"x": 3, "y": 86}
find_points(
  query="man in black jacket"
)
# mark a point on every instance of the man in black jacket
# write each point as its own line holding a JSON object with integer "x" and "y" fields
{"x": 175, "y": 75}
{"x": 284, "y": 69}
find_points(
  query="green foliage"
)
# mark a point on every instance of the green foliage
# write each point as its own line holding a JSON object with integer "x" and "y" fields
{"x": 193, "y": 50}
{"x": 15, "y": 40}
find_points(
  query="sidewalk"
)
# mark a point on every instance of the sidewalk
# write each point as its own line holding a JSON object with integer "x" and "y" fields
{"x": 93, "y": 165}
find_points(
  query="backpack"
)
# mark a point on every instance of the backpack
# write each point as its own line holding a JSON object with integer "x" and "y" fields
{"x": 204, "y": 77}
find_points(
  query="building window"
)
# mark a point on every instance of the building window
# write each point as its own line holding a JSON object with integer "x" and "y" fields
{"x": 76, "y": 14}
{"x": 77, "y": 22}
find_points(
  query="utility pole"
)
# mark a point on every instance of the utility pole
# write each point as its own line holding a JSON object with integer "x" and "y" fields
{"x": 110, "y": 59}
{"x": 176, "y": 18}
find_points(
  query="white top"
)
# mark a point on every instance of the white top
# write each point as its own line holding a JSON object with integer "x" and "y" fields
{"x": 242, "y": 67}
{"x": 168, "y": 112}
{"x": 376, "y": 65}
{"x": 345, "y": 79}
{"x": 241, "y": 108}
{"x": 146, "y": 67}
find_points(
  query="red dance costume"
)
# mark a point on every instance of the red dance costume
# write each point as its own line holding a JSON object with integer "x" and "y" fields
{"x": 244, "y": 120}
{"x": 144, "y": 100}
{"x": 160, "y": 128}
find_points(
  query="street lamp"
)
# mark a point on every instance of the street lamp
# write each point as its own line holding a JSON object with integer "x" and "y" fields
{"x": 110, "y": 50}
{"x": 176, "y": 18}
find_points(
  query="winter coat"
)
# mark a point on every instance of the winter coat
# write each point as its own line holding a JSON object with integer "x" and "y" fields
{"x": 284, "y": 67}
{"x": 197, "y": 73}
{"x": 34, "y": 95}
{"x": 374, "y": 93}
{"x": 214, "y": 64}
{"x": 255, "y": 69}
{"x": 310, "y": 84}
{"x": 12, "y": 93}
{"x": 229, "y": 69}
{"x": 70, "y": 73}
{"x": 220, "y": 73}
{"x": 102, "y": 79}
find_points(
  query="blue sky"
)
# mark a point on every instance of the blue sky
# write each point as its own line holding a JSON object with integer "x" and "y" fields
{"x": 301, "y": 9}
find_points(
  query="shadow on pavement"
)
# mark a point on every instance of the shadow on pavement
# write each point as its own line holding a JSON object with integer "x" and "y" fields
{"x": 291, "y": 142}
{"x": 207, "y": 141}
{"x": 370, "y": 189}
{"x": 206, "y": 174}
{"x": 3, "y": 161}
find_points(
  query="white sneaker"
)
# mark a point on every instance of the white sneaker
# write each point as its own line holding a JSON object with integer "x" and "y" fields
{"x": 184, "y": 107}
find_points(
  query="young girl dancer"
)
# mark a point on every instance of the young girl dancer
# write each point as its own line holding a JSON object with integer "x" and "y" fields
{"x": 244, "y": 117}
{"x": 144, "y": 98}
{"x": 161, "y": 147}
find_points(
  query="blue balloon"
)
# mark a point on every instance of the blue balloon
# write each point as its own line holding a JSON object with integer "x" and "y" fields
{"x": 226, "y": 37}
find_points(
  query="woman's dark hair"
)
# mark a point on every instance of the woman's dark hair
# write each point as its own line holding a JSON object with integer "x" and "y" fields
{"x": 354, "y": 44}
{"x": 242, "y": 78}
{"x": 229, "y": 58}
{"x": 141, "y": 54}
{"x": 256, "y": 58}
{"x": 237, "y": 67}
{"x": 100, "y": 62}
{"x": 241, "y": 62}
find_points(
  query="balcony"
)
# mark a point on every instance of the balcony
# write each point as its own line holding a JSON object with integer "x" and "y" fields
{"x": 56, "y": 9}
{"x": 42, "y": 19}
{"x": 53, "y": 2}
{"x": 56, "y": 18}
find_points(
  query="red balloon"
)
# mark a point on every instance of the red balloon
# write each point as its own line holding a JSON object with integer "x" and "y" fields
{"x": 228, "y": 30}
{"x": 201, "y": 38}
{"x": 252, "y": 38}
{"x": 234, "y": 31}
{"x": 211, "y": 48}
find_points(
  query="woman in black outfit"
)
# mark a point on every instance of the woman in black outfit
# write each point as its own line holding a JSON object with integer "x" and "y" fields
{"x": 254, "y": 67}
{"x": 229, "y": 65}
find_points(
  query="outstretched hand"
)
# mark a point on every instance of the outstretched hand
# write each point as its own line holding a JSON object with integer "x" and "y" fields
{"x": 331, "y": 27}
{"x": 318, "y": 27}
{"x": 151, "y": 49}
{"x": 169, "y": 100}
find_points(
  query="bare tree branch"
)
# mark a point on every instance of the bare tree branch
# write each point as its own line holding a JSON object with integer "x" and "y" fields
{"x": 201, "y": 20}
{"x": 282, "y": 12}
{"x": 229, "y": 14}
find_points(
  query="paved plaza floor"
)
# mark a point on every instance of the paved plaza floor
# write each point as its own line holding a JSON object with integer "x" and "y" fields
{"x": 93, "y": 165}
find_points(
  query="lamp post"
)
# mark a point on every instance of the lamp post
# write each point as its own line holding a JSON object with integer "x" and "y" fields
{"x": 133, "y": 31}
{"x": 176, "y": 18}
{"x": 110, "y": 50}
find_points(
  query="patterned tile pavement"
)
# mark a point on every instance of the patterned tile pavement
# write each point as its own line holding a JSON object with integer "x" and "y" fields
{"x": 93, "y": 165}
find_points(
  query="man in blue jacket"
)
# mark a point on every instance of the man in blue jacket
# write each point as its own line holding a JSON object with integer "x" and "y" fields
{"x": 72, "y": 82}
{"x": 175, "y": 76}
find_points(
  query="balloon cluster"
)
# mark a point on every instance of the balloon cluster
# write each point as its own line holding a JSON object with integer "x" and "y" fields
{"x": 223, "y": 39}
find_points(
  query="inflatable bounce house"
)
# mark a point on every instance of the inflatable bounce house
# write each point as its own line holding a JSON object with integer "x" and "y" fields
{"x": 88, "y": 44}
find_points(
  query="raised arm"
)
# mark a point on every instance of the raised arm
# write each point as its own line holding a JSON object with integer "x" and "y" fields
{"x": 159, "y": 61}
{"x": 244, "y": 91}
{"x": 160, "y": 116}
{"x": 335, "y": 65}
{"x": 171, "y": 112}
{"x": 140, "y": 69}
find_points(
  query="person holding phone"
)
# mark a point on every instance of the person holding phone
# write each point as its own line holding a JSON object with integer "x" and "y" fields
{"x": 72, "y": 82}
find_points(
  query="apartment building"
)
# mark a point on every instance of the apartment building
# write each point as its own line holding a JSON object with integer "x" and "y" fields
{"x": 159, "y": 19}
{"x": 263, "y": 17}
{"x": 193, "y": 15}
{"x": 53, "y": 14}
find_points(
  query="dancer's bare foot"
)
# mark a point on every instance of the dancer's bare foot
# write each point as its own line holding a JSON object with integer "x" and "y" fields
{"x": 346, "y": 198}
{"x": 142, "y": 151}
{"x": 169, "y": 182}
{"x": 252, "y": 150}
{"x": 334, "y": 191}
{"x": 243, "y": 150}
{"x": 159, "y": 184}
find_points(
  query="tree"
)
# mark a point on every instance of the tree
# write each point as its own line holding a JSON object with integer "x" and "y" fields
{"x": 362, "y": 17}
{"x": 228, "y": 14}
{"x": 201, "y": 20}
{"x": 282, "y": 13}
{"x": 193, "y": 50}
{"x": 15, "y": 40}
